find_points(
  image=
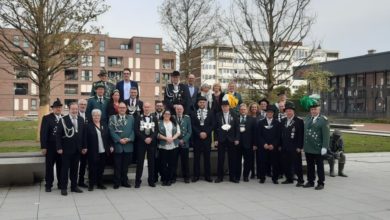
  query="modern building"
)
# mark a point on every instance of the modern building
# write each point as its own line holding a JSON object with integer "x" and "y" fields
{"x": 213, "y": 63}
{"x": 361, "y": 86}
{"x": 150, "y": 66}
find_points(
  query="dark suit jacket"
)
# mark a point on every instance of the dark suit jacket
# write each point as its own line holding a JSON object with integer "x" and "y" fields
{"x": 292, "y": 135}
{"x": 139, "y": 104}
{"x": 270, "y": 135}
{"x": 209, "y": 124}
{"x": 192, "y": 100}
{"x": 91, "y": 140}
{"x": 119, "y": 86}
{"x": 233, "y": 134}
{"x": 141, "y": 136}
{"x": 169, "y": 102}
{"x": 110, "y": 109}
{"x": 158, "y": 118}
{"x": 48, "y": 133}
{"x": 247, "y": 138}
{"x": 76, "y": 142}
{"x": 216, "y": 107}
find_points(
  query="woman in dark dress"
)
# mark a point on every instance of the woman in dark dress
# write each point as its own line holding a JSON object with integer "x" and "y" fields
{"x": 98, "y": 148}
{"x": 112, "y": 108}
{"x": 217, "y": 98}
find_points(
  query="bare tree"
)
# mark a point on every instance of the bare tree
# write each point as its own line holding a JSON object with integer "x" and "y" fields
{"x": 189, "y": 23}
{"x": 266, "y": 34}
{"x": 54, "y": 34}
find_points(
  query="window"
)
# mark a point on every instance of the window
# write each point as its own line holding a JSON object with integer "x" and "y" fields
{"x": 115, "y": 76}
{"x": 157, "y": 78}
{"x": 102, "y": 61}
{"x": 114, "y": 61}
{"x": 68, "y": 101}
{"x": 352, "y": 81}
{"x": 138, "y": 48}
{"x": 21, "y": 88}
{"x": 124, "y": 47}
{"x": 360, "y": 80}
{"x": 26, "y": 43}
{"x": 167, "y": 64}
{"x": 157, "y": 49}
{"x": 86, "y": 61}
{"x": 70, "y": 89}
{"x": 101, "y": 46}
{"x": 86, "y": 89}
{"x": 379, "y": 79}
{"x": 388, "y": 78}
{"x": 166, "y": 77}
{"x": 21, "y": 73}
{"x": 33, "y": 104}
{"x": 71, "y": 75}
{"x": 86, "y": 75}
{"x": 16, "y": 40}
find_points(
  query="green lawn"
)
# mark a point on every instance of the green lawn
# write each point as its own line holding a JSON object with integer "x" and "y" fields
{"x": 357, "y": 143}
{"x": 19, "y": 149}
{"x": 18, "y": 130}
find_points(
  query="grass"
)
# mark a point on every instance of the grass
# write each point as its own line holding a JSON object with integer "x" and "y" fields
{"x": 357, "y": 143}
{"x": 18, "y": 130}
{"x": 19, "y": 149}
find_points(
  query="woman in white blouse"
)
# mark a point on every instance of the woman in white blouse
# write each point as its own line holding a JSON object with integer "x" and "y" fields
{"x": 169, "y": 132}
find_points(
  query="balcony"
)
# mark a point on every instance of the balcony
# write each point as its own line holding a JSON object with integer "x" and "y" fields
{"x": 115, "y": 61}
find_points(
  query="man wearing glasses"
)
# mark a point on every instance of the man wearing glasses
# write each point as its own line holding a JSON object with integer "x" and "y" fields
{"x": 125, "y": 85}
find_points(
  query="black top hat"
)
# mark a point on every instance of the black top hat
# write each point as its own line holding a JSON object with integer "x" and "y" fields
{"x": 175, "y": 73}
{"x": 225, "y": 102}
{"x": 263, "y": 100}
{"x": 56, "y": 103}
{"x": 100, "y": 85}
{"x": 289, "y": 105}
{"x": 271, "y": 108}
{"x": 202, "y": 98}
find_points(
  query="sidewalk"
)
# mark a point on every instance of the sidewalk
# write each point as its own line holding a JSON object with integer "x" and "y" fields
{"x": 365, "y": 194}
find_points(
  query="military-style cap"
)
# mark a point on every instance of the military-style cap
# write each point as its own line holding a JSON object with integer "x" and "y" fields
{"x": 100, "y": 85}
{"x": 102, "y": 73}
{"x": 56, "y": 103}
{"x": 175, "y": 73}
{"x": 271, "y": 108}
{"x": 263, "y": 100}
{"x": 289, "y": 105}
{"x": 225, "y": 102}
{"x": 202, "y": 98}
{"x": 315, "y": 104}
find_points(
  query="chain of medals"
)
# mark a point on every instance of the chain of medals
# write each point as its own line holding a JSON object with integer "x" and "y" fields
{"x": 116, "y": 123}
{"x": 175, "y": 94}
{"x": 202, "y": 117}
{"x": 69, "y": 132}
{"x": 147, "y": 126}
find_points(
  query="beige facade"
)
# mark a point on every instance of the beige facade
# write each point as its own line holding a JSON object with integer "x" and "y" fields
{"x": 150, "y": 67}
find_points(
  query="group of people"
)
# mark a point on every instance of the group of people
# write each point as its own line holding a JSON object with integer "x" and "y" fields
{"x": 261, "y": 139}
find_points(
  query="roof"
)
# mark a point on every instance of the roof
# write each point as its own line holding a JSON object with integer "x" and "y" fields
{"x": 360, "y": 64}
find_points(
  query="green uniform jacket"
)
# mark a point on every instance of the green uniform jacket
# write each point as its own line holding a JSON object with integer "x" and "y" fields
{"x": 316, "y": 134}
{"x": 185, "y": 130}
{"x": 119, "y": 130}
{"x": 93, "y": 103}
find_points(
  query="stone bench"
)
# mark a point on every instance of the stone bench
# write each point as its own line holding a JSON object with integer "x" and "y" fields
{"x": 21, "y": 168}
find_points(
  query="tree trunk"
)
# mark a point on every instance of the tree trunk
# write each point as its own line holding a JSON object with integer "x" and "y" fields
{"x": 44, "y": 103}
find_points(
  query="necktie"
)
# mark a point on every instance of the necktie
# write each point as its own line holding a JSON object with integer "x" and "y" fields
{"x": 201, "y": 115}
{"x": 133, "y": 103}
{"x": 74, "y": 121}
{"x": 100, "y": 100}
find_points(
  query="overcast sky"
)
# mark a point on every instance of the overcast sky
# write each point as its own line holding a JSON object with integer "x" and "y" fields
{"x": 349, "y": 26}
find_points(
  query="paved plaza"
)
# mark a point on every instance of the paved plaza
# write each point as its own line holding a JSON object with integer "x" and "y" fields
{"x": 365, "y": 194}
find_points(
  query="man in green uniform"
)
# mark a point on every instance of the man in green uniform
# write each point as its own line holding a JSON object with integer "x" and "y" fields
{"x": 98, "y": 101}
{"x": 108, "y": 87}
{"x": 316, "y": 143}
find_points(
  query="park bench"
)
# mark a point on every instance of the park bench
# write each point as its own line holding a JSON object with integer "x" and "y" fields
{"x": 21, "y": 168}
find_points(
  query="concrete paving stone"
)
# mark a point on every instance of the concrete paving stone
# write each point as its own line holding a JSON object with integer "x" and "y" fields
{"x": 226, "y": 216}
{"x": 57, "y": 212}
{"x": 318, "y": 218}
{"x": 174, "y": 211}
{"x": 68, "y": 217}
{"x": 101, "y": 216}
{"x": 141, "y": 213}
{"x": 213, "y": 209}
{"x": 18, "y": 214}
{"x": 356, "y": 216}
{"x": 193, "y": 217}
{"x": 265, "y": 214}
{"x": 95, "y": 209}
{"x": 385, "y": 215}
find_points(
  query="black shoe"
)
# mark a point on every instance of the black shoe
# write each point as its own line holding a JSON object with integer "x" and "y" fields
{"x": 234, "y": 181}
{"x": 308, "y": 185}
{"x": 186, "y": 180}
{"x": 275, "y": 181}
{"x": 252, "y": 176}
{"x": 82, "y": 184}
{"x": 218, "y": 180}
{"x": 64, "y": 192}
{"x": 127, "y": 185}
{"x": 152, "y": 184}
{"x": 195, "y": 179}
{"x": 47, "y": 190}
{"x": 262, "y": 181}
{"x": 101, "y": 186}
{"x": 319, "y": 187}
{"x": 90, "y": 188}
{"x": 137, "y": 185}
{"x": 76, "y": 190}
{"x": 299, "y": 184}
{"x": 208, "y": 179}
{"x": 288, "y": 182}
{"x": 246, "y": 179}
{"x": 116, "y": 186}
